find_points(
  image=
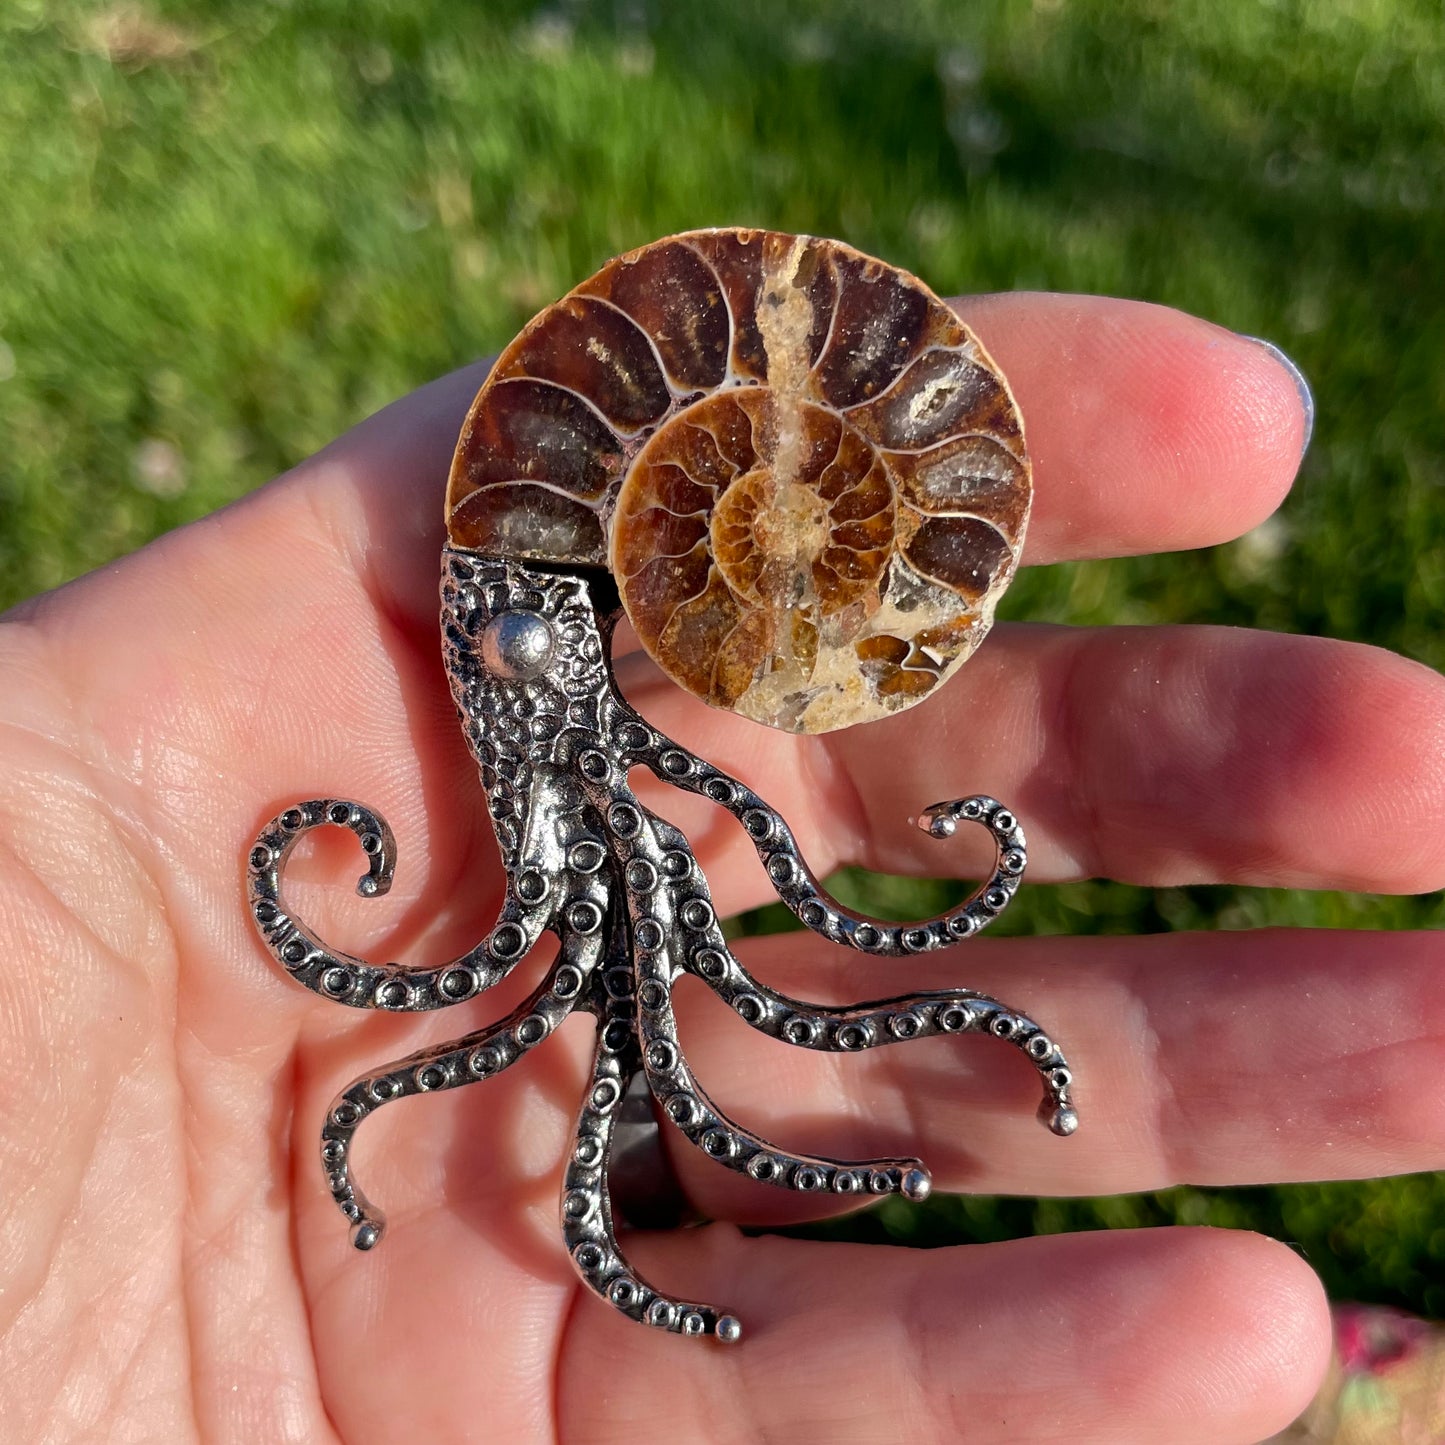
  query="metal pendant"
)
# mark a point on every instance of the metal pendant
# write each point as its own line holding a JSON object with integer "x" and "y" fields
{"x": 804, "y": 482}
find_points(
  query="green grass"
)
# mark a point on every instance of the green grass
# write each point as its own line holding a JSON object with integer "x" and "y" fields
{"x": 228, "y": 230}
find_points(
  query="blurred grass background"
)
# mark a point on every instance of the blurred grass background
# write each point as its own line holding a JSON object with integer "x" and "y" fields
{"x": 231, "y": 228}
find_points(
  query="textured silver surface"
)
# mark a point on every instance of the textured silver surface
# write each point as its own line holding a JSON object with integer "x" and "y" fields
{"x": 526, "y": 651}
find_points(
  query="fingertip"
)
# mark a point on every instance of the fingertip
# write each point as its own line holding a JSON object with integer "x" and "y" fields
{"x": 1249, "y": 407}
{"x": 1304, "y": 393}
{"x": 1374, "y": 737}
{"x": 1222, "y": 430}
{"x": 1151, "y": 430}
{"x": 1269, "y": 1327}
{"x": 1214, "y": 1335}
{"x": 1402, "y": 735}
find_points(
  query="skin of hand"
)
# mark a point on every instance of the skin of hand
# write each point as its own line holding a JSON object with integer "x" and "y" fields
{"x": 171, "y": 1265}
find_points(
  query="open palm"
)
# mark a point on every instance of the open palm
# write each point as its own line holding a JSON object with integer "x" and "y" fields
{"x": 171, "y": 1264}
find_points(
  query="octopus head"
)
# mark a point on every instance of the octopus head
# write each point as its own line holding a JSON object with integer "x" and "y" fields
{"x": 523, "y": 642}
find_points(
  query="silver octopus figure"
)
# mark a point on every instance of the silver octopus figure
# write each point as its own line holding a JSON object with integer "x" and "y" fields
{"x": 527, "y": 649}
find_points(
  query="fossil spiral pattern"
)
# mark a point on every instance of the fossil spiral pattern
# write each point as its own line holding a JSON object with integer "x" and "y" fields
{"x": 805, "y": 473}
{"x": 747, "y": 394}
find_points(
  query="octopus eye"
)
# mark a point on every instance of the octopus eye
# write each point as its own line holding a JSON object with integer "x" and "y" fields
{"x": 517, "y": 645}
{"x": 805, "y": 474}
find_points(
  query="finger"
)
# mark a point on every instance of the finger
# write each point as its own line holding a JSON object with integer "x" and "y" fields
{"x": 1155, "y": 755}
{"x": 1150, "y": 430}
{"x": 1211, "y": 1059}
{"x": 1097, "y": 1339}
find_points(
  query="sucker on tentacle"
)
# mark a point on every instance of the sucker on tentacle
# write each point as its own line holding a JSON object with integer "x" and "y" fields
{"x": 804, "y": 481}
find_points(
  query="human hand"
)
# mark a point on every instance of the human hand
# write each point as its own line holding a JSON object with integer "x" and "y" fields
{"x": 174, "y": 1267}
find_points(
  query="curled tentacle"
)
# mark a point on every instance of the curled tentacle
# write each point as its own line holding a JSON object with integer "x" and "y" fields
{"x": 587, "y": 1226}
{"x": 706, "y": 955}
{"x": 527, "y": 911}
{"x": 796, "y": 884}
{"x": 467, "y": 1060}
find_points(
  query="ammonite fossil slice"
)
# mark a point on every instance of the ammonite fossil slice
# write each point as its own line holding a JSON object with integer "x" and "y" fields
{"x": 805, "y": 473}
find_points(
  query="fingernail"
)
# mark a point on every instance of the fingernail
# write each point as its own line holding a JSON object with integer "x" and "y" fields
{"x": 1306, "y": 396}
